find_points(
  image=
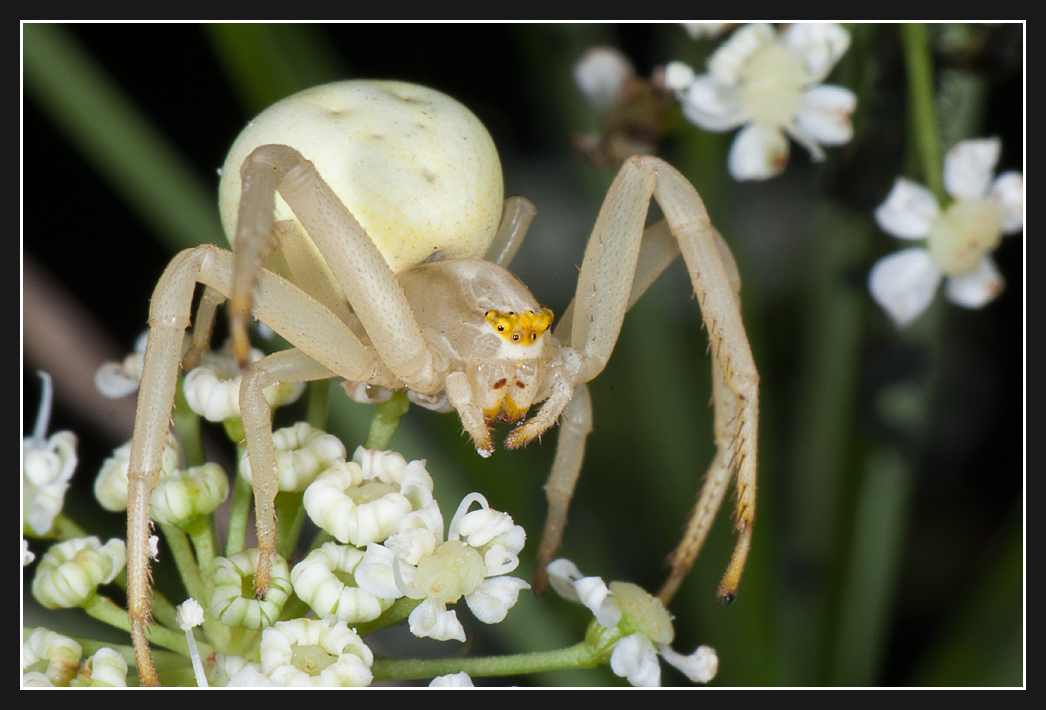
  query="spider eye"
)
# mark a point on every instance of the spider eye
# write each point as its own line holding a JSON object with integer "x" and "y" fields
{"x": 501, "y": 328}
{"x": 515, "y": 336}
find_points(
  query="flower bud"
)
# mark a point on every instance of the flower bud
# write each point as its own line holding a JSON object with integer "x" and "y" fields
{"x": 70, "y": 572}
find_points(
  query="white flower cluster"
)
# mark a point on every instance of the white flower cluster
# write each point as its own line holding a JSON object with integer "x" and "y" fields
{"x": 380, "y": 502}
{"x": 389, "y": 545}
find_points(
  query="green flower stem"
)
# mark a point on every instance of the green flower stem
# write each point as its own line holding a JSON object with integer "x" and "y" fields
{"x": 316, "y": 412}
{"x": 241, "y": 505}
{"x": 399, "y": 611}
{"x": 581, "y": 655}
{"x": 919, "y": 62}
{"x": 185, "y": 560}
{"x": 187, "y": 424}
{"x": 106, "y": 611}
{"x": 64, "y": 528}
{"x": 386, "y": 420}
{"x": 202, "y": 535}
{"x": 290, "y": 516}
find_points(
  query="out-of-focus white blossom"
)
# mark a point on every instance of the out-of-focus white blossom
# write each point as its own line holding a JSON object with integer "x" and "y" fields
{"x": 119, "y": 379}
{"x": 958, "y": 240}
{"x": 769, "y": 85}
{"x": 47, "y": 465}
{"x": 601, "y": 75}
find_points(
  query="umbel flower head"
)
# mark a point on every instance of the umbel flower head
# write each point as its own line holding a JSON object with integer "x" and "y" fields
{"x": 771, "y": 85}
{"x": 482, "y": 547}
{"x": 957, "y": 241}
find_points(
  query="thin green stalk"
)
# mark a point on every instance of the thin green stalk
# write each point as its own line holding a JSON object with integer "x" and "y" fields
{"x": 580, "y": 655}
{"x": 242, "y": 494}
{"x": 921, "y": 91}
{"x": 182, "y": 552}
{"x": 386, "y": 420}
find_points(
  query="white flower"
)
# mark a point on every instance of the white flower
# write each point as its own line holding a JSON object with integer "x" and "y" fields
{"x": 959, "y": 239}
{"x": 644, "y": 627}
{"x": 601, "y": 75}
{"x": 47, "y": 466}
{"x": 314, "y": 652}
{"x": 770, "y": 84}
{"x": 324, "y": 580}
{"x": 233, "y": 601}
{"x": 363, "y": 500}
{"x": 415, "y": 562}
{"x": 118, "y": 379}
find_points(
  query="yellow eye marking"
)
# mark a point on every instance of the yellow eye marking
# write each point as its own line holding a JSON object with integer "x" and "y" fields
{"x": 520, "y": 328}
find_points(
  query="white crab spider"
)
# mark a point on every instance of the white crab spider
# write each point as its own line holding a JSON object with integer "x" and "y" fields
{"x": 381, "y": 205}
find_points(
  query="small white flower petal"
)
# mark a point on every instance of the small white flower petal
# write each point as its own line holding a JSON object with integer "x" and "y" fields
{"x": 711, "y": 105}
{"x": 726, "y": 64}
{"x": 969, "y": 166}
{"x": 375, "y": 575}
{"x": 432, "y": 619}
{"x": 819, "y": 44}
{"x": 909, "y": 210}
{"x": 1008, "y": 192}
{"x": 978, "y": 287}
{"x": 452, "y": 680}
{"x": 562, "y": 574}
{"x": 635, "y": 658}
{"x": 595, "y": 594}
{"x": 700, "y": 666}
{"x": 758, "y": 152}
{"x": 825, "y": 112}
{"x": 904, "y": 284}
{"x": 492, "y": 599}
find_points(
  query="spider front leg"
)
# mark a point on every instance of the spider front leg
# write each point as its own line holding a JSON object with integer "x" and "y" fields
{"x": 326, "y": 346}
{"x": 603, "y": 298}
